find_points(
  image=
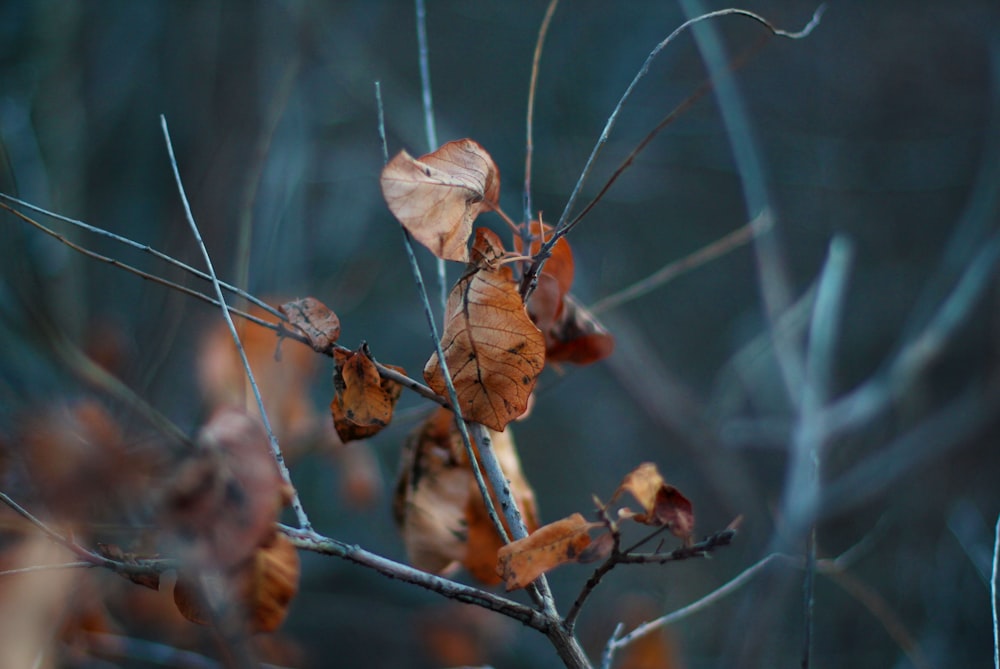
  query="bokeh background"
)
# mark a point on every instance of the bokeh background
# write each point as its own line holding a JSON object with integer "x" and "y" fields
{"x": 881, "y": 127}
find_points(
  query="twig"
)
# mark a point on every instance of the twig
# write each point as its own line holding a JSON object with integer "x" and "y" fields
{"x": 429, "y": 126}
{"x": 671, "y": 271}
{"x": 48, "y": 567}
{"x": 993, "y": 596}
{"x": 296, "y": 503}
{"x": 141, "y": 567}
{"x": 317, "y": 543}
{"x": 529, "y": 143}
{"x": 170, "y": 260}
{"x": 560, "y": 228}
{"x": 711, "y": 598}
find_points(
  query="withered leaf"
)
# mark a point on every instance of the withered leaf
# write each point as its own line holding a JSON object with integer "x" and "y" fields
{"x": 437, "y": 196}
{"x": 493, "y": 350}
{"x": 664, "y": 504}
{"x": 364, "y": 401}
{"x": 315, "y": 320}
{"x": 522, "y": 561}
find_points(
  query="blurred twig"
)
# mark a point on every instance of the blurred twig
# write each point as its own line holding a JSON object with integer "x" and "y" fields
{"x": 296, "y": 503}
{"x": 993, "y": 597}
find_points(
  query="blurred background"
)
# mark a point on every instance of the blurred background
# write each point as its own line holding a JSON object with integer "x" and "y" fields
{"x": 882, "y": 127}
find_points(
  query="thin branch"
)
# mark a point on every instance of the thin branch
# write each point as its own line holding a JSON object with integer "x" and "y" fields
{"x": 170, "y": 260}
{"x": 708, "y": 600}
{"x": 296, "y": 503}
{"x": 529, "y": 144}
{"x": 48, "y": 567}
{"x": 423, "y": 55}
{"x": 672, "y": 270}
{"x": 993, "y": 597}
{"x": 560, "y": 228}
{"x": 317, "y": 543}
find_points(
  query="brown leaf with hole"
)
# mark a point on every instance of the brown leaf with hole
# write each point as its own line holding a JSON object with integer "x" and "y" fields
{"x": 314, "y": 320}
{"x": 577, "y": 336}
{"x": 437, "y": 503}
{"x": 493, "y": 350}
{"x": 664, "y": 504}
{"x": 524, "y": 560}
{"x": 225, "y": 497}
{"x": 437, "y": 196}
{"x": 364, "y": 401}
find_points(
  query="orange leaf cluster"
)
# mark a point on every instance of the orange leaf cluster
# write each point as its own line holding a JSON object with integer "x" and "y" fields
{"x": 437, "y": 503}
{"x": 493, "y": 350}
{"x": 437, "y": 196}
{"x": 364, "y": 401}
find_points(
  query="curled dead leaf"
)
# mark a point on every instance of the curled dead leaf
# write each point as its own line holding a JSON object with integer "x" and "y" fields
{"x": 545, "y": 305}
{"x": 577, "y": 336}
{"x": 493, "y": 350}
{"x": 437, "y": 196}
{"x": 524, "y": 560}
{"x": 364, "y": 401}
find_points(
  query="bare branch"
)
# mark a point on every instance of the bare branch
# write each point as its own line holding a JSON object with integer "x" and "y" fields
{"x": 170, "y": 260}
{"x": 529, "y": 144}
{"x": 993, "y": 596}
{"x": 273, "y": 440}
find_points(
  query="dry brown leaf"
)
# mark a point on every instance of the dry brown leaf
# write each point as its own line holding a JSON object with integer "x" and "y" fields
{"x": 524, "y": 560}
{"x": 314, "y": 320}
{"x": 224, "y": 499}
{"x": 493, "y": 350}
{"x": 437, "y": 196}
{"x": 364, "y": 401}
{"x": 664, "y": 504}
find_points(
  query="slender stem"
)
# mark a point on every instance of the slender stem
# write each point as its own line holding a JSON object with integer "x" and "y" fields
{"x": 48, "y": 567}
{"x": 317, "y": 543}
{"x": 430, "y": 129}
{"x": 170, "y": 260}
{"x": 529, "y": 144}
{"x": 560, "y": 229}
{"x": 273, "y": 440}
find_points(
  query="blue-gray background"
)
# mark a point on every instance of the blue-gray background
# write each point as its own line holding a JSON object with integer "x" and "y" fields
{"x": 876, "y": 126}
